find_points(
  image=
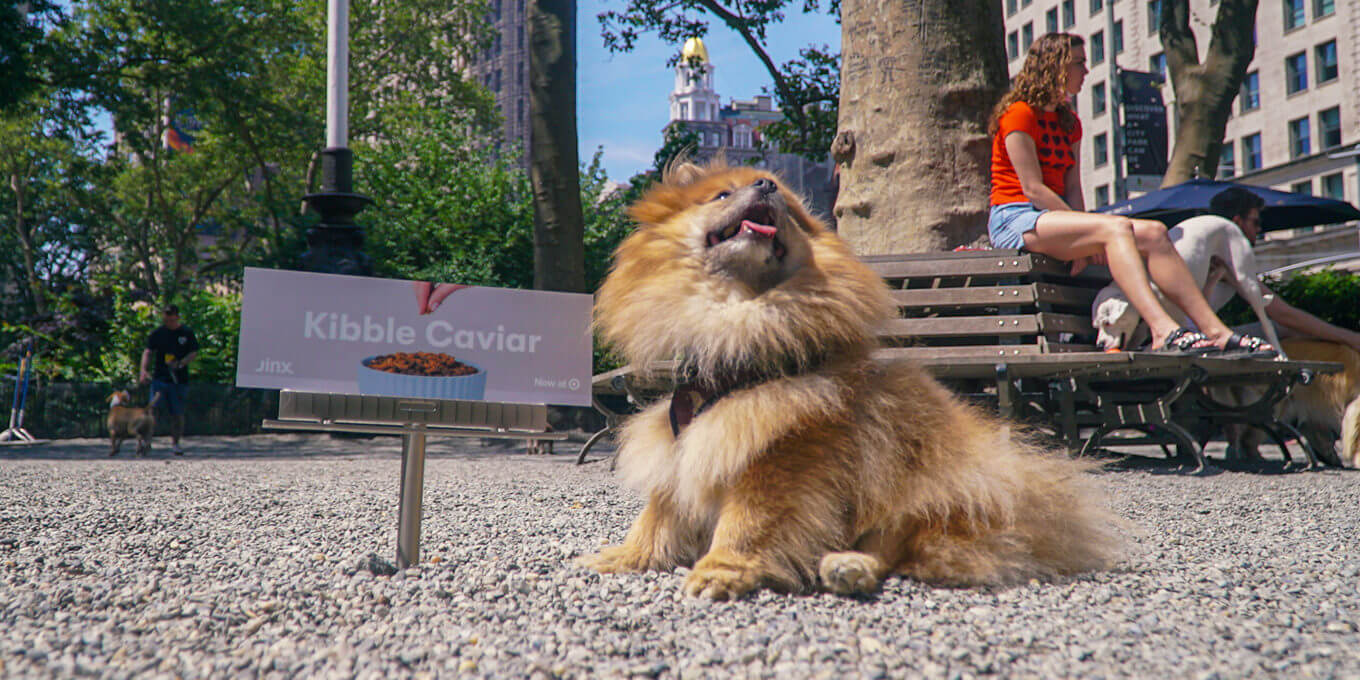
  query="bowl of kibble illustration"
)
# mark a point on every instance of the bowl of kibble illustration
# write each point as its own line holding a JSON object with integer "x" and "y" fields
{"x": 421, "y": 374}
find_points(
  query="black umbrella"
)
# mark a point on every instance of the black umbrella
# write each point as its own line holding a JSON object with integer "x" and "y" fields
{"x": 1284, "y": 210}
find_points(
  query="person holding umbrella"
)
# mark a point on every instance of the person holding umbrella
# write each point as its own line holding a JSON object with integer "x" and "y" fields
{"x": 1037, "y": 205}
{"x": 169, "y": 349}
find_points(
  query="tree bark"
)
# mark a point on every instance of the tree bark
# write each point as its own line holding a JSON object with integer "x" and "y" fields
{"x": 559, "y": 232}
{"x": 18, "y": 182}
{"x": 1204, "y": 91}
{"x": 918, "y": 81}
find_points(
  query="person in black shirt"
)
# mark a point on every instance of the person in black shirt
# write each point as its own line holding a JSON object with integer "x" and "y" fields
{"x": 165, "y": 364}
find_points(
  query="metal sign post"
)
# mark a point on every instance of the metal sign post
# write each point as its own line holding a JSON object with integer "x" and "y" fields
{"x": 412, "y": 420}
{"x": 412, "y": 488}
{"x": 1121, "y": 192}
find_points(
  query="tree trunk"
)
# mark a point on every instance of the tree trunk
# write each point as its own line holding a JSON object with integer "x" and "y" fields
{"x": 918, "y": 81}
{"x": 1204, "y": 91}
{"x": 18, "y": 184}
{"x": 559, "y": 241}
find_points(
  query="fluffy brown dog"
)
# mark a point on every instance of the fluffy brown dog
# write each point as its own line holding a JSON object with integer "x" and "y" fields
{"x": 791, "y": 459}
{"x": 1326, "y": 411}
{"x": 127, "y": 421}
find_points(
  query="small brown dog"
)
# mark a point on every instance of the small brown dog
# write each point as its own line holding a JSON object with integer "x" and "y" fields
{"x": 1326, "y": 411}
{"x": 790, "y": 459}
{"x": 127, "y": 421}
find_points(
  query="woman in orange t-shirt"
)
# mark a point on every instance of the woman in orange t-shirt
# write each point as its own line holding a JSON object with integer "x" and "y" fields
{"x": 1037, "y": 204}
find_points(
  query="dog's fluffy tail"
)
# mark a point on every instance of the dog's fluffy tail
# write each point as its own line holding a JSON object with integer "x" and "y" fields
{"x": 1350, "y": 434}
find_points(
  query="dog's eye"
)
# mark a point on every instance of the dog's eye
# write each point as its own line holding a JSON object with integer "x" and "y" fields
{"x": 721, "y": 195}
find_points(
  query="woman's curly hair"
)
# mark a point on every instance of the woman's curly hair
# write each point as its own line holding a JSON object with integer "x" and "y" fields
{"x": 1042, "y": 81}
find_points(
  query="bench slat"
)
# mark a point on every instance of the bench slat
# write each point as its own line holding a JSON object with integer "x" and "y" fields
{"x": 996, "y": 265}
{"x": 938, "y": 353}
{"x": 985, "y": 296}
{"x": 952, "y": 326}
{"x": 994, "y": 296}
{"x": 1058, "y": 294}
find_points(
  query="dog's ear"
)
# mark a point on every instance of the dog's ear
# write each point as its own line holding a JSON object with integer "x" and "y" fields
{"x": 682, "y": 173}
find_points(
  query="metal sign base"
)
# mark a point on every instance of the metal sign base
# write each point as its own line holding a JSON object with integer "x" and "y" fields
{"x": 413, "y": 420}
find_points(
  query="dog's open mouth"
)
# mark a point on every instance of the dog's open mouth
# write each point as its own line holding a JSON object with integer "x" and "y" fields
{"x": 756, "y": 222}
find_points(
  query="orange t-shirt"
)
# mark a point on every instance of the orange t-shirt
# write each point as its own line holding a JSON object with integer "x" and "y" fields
{"x": 1057, "y": 151}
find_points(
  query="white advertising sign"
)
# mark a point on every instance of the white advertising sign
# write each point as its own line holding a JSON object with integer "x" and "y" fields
{"x": 361, "y": 335}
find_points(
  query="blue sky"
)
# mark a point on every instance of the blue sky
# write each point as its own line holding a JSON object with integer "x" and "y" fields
{"x": 622, "y": 99}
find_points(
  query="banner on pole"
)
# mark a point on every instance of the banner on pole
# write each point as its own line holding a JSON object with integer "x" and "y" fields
{"x": 362, "y": 335}
{"x": 1145, "y": 130}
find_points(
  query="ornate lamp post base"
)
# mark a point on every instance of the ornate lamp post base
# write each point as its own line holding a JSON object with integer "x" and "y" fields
{"x": 334, "y": 246}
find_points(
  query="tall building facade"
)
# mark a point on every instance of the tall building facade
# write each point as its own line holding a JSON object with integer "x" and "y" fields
{"x": 503, "y": 69}
{"x": 1294, "y": 125}
{"x": 735, "y": 130}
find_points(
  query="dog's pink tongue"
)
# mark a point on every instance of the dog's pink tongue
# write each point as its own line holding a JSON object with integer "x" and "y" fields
{"x": 762, "y": 229}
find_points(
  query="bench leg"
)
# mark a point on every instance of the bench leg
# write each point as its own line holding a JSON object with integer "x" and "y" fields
{"x": 606, "y": 430}
{"x": 412, "y": 488}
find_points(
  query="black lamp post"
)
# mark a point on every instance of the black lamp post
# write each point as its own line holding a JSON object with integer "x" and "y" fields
{"x": 334, "y": 245}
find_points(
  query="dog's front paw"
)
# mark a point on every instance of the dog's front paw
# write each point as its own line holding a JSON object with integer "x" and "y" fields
{"x": 617, "y": 559}
{"x": 723, "y": 580}
{"x": 849, "y": 573}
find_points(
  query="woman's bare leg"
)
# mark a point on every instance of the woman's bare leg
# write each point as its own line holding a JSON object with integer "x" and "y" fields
{"x": 1068, "y": 235}
{"x": 1168, "y": 270}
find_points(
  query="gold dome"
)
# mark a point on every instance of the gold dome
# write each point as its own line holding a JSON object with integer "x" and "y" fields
{"x": 694, "y": 49}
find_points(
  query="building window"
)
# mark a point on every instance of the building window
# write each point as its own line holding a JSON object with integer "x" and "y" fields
{"x": 1117, "y": 40}
{"x": 1101, "y": 147}
{"x": 1096, "y": 6}
{"x": 684, "y": 110}
{"x": 1250, "y": 98}
{"x": 1098, "y": 48}
{"x": 1324, "y": 56}
{"x": 1069, "y": 12}
{"x": 1227, "y": 165}
{"x": 1013, "y": 45}
{"x": 1102, "y": 195}
{"x": 1305, "y": 188}
{"x": 1012, "y": 6}
{"x": 1329, "y": 127}
{"x": 1157, "y": 63}
{"x": 1251, "y": 152}
{"x": 1293, "y": 14}
{"x": 1296, "y": 73}
{"x": 1334, "y": 187}
{"x": 1026, "y": 36}
{"x": 1154, "y": 9}
{"x": 1098, "y": 99}
{"x": 1322, "y": 8}
{"x": 1300, "y": 138}
{"x": 1026, "y": 3}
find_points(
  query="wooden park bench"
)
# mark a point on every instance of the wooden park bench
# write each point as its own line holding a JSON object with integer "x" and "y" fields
{"x": 1013, "y": 329}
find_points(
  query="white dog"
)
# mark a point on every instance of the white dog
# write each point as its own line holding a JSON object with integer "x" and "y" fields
{"x": 1213, "y": 248}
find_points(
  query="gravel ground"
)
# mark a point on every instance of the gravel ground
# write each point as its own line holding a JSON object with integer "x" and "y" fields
{"x": 243, "y": 559}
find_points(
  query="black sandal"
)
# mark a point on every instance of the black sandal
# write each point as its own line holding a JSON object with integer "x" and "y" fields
{"x": 1184, "y": 342}
{"x": 1248, "y": 347}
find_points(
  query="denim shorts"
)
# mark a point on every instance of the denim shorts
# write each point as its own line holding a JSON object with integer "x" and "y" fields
{"x": 1008, "y": 223}
{"x": 173, "y": 396}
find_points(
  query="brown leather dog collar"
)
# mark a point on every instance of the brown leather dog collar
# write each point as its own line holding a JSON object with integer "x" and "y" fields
{"x": 692, "y": 397}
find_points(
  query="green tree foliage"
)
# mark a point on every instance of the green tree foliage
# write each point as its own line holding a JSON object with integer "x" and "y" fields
{"x": 24, "y": 47}
{"x": 806, "y": 89}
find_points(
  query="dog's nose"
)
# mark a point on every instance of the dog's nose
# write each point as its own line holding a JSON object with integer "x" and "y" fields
{"x": 765, "y": 186}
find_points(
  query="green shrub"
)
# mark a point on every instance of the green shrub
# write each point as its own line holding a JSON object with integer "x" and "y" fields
{"x": 1330, "y": 294}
